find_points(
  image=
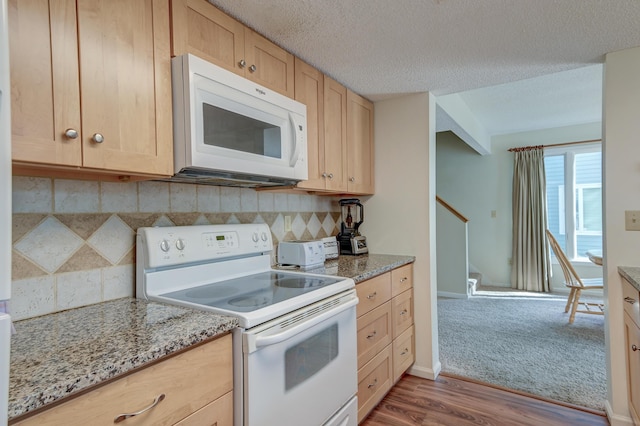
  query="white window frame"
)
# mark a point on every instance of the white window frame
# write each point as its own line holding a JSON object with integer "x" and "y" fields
{"x": 569, "y": 224}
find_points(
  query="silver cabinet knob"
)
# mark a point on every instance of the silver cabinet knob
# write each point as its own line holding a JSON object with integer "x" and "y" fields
{"x": 324, "y": 175}
{"x": 330, "y": 175}
{"x": 242, "y": 63}
{"x": 352, "y": 179}
{"x": 97, "y": 138}
{"x": 252, "y": 68}
{"x": 71, "y": 133}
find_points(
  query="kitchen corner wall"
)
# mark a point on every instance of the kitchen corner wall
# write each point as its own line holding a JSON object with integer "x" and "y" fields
{"x": 74, "y": 241}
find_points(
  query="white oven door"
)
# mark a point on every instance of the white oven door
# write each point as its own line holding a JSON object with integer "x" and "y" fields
{"x": 302, "y": 370}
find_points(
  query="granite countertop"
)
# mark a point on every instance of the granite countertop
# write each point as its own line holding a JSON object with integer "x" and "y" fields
{"x": 56, "y": 355}
{"x": 60, "y": 354}
{"x": 360, "y": 267}
{"x": 631, "y": 274}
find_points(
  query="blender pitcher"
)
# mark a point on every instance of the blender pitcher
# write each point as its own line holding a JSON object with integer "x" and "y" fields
{"x": 349, "y": 238}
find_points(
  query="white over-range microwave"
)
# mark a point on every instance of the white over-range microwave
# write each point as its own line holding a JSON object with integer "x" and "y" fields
{"x": 231, "y": 131}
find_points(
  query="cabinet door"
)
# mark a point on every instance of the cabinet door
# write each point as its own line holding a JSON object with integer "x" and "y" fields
{"x": 125, "y": 85}
{"x": 45, "y": 97}
{"x": 632, "y": 341}
{"x": 335, "y": 134}
{"x": 203, "y": 30}
{"x": 268, "y": 64}
{"x": 309, "y": 89}
{"x": 360, "y": 144}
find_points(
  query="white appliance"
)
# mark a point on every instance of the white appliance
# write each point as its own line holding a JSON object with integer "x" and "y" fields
{"x": 231, "y": 131}
{"x": 295, "y": 354}
{"x": 306, "y": 254}
{"x": 5, "y": 211}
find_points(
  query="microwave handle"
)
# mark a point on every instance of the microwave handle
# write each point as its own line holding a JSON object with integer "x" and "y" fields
{"x": 295, "y": 156}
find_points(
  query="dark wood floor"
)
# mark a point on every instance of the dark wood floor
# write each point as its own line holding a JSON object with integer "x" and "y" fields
{"x": 458, "y": 402}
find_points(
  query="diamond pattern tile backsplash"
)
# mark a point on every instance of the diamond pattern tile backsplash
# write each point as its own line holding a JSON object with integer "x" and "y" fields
{"x": 74, "y": 241}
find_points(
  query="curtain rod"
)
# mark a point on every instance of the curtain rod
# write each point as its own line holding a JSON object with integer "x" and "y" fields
{"x": 526, "y": 148}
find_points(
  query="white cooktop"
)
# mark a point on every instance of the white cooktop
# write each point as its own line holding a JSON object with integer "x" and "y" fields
{"x": 224, "y": 269}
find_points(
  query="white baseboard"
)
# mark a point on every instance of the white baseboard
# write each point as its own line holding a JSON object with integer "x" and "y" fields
{"x": 616, "y": 419}
{"x": 426, "y": 373}
{"x": 452, "y": 295}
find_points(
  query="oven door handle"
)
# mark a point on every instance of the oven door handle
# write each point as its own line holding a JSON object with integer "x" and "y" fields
{"x": 255, "y": 341}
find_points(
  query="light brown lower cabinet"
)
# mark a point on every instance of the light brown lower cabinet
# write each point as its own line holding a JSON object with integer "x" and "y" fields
{"x": 403, "y": 353}
{"x": 632, "y": 346}
{"x": 197, "y": 384}
{"x": 386, "y": 342}
{"x": 374, "y": 381}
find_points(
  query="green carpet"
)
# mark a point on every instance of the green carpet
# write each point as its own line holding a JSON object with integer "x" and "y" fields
{"x": 525, "y": 344}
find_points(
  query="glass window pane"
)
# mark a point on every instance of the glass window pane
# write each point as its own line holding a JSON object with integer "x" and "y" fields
{"x": 554, "y": 171}
{"x": 226, "y": 129}
{"x": 578, "y": 230}
{"x": 310, "y": 356}
{"x": 592, "y": 209}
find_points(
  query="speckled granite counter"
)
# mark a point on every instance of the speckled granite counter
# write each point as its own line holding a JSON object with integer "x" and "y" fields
{"x": 631, "y": 274}
{"x": 56, "y": 355}
{"x": 361, "y": 267}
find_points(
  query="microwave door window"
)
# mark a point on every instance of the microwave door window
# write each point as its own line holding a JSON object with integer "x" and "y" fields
{"x": 227, "y": 129}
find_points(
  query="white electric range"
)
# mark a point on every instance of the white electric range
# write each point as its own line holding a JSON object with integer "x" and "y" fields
{"x": 295, "y": 352}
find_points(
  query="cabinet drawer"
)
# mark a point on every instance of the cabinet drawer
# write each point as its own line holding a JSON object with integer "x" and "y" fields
{"x": 189, "y": 381}
{"x": 403, "y": 353}
{"x": 374, "y": 332}
{"x": 402, "y": 312}
{"x": 374, "y": 381}
{"x": 217, "y": 413}
{"x": 401, "y": 279}
{"x": 373, "y": 293}
{"x": 631, "y": 301}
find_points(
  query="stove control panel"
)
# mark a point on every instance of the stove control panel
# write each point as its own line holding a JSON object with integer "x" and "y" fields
{"x": 178, "y": 245}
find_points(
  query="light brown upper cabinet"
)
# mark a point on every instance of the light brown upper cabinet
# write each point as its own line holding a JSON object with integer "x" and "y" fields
{"x": 201, "y": 29}
{"x": 339, "y": 134}
{"x": 326, "y": 102}
{"x": 359, "y": 144}
{"x": 91, "y": 86}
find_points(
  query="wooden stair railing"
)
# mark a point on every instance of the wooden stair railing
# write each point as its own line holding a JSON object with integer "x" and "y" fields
{"x": 449, "y": 207}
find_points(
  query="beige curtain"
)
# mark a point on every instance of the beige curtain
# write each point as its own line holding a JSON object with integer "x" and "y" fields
{"x": 531, "y": 268}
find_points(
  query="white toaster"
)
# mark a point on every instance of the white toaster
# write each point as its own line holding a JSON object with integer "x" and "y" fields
{"x": 301, "y": 253}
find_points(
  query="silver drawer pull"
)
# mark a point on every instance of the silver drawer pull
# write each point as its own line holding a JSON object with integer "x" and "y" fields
{"x": 404, "y": 279}
{"x": 406, "y": 351}
{"x": 404, "y": 312}
{"x": 372, "y": 335}
{"x": 634, "y": 348}
{"x": 372, "y": 295}
{"x": 123, "y": 417}
{"x": 370, "y": 385}
{"x": 630, "y": 300}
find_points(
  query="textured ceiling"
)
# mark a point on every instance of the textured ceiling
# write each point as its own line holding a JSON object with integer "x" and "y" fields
{"x": 384, "y": 48}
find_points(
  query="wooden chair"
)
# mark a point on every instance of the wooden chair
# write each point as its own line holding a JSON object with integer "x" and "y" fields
{"x": 575, "y": 284}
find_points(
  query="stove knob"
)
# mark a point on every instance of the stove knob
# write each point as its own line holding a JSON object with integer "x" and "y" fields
{"x": 264, "y": 236}
{"x": 180, "y": 244}
{"x": 165, "y": 246}
{"x": 254, "y": 237}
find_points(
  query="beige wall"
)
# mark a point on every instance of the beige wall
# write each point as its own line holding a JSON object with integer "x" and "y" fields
{"x": 74, "y": 241}
{"x": 621, "y": 192}
{"x": 400, "y": 217}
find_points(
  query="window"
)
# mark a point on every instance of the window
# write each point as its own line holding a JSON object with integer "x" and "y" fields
{"x": 574, "y": 197}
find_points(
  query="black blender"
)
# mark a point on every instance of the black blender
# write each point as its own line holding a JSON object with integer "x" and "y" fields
{"x": 349, "y": 238}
